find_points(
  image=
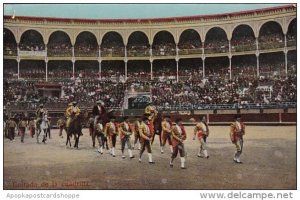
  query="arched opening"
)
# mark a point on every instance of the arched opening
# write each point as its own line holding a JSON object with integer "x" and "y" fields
{"x": 271, "y": 36}
{"x": 9, "y": 43}
{"x": 32, "y": 40}
{"x": 216, "y": 41}
{"x": 217, "y": 68}
{"x": 33, "y": 69}
{"x": 139, "y": 70}
{"x": 164, "y": 44}
{"x": 10, "y": 69}
{"x": 243, "y": 39}
{"x": 164, "y": 69}
{"x": 59, "y": 44}
{"x": 59, "y": 70}
{"x": 112, "y": 45}
{"x": 138, "y": 45}
{"x": 272, "y": 64}
{"x": 190, "y": 42}
{"x": 87, "y": 69}
{"x": 292, "y": 33}
{"x": 190, "y": 68}
{"x": 244, "y": 66}
{"x": 86, "y": 45}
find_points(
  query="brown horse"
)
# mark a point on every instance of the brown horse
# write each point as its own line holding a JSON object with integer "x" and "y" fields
{"x": 157, "y": 128}
{"x": 105, "y": 118}
{"x": 75, "y": 129}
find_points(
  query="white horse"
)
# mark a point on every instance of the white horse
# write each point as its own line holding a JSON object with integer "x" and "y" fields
{"x": 43, "y": 128}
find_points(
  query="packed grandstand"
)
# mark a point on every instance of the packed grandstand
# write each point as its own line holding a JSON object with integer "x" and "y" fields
{"x": 237, "y": 60}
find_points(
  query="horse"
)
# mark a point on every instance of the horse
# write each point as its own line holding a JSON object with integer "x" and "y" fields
{"x": 90, "y": 125}
{"x": 157, "y": 128}
{"x": 74, "y": 129}
{"x": 42, "y": 126}
{"x": 105, "y": 117}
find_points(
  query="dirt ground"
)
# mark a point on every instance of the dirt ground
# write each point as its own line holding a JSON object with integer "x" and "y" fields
{"x": 269, "y": 162}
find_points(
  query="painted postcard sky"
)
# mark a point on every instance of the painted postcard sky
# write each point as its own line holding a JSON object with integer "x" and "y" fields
{"x": 121, "y": 11}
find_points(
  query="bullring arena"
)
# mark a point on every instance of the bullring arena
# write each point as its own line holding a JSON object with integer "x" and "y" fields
{"x": 218, "y": 66}
{"x": 269, "y": 163}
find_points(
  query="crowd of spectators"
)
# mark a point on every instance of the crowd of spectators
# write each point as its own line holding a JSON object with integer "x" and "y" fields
{"x": 34, "y": 73}
{"x": 244, "y": 70}
{"x": 239, "y": 92}
{"x": 10, "y": 49}
{"x": 139, "y": 73}
{"x": 31, "y": 46}
{"x": 244, "y": 43}
{"x": 59, "y": 49}
{"x": 138, "y": 50}
{"x": 190, "y": 47}
{"x": 291, "y": 40}
{"x": 19, "y": 91}
{"x": 90, "y": 90}
{"x": 271, "y": 41}
{"x": 194, "y": 91}
{"x": 85, "y": 49}
{"x": 216, "y": 46}
{"x": 164, "y": 49}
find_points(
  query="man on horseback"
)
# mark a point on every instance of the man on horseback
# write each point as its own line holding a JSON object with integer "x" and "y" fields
{"x": 72, "y": 111}
{"x": 39, "y": 115}
{"x": 98, "y": 112}
{"x": 73, "y": 124}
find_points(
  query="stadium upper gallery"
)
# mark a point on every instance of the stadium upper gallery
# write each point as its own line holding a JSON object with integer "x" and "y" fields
{"x": 218, "y": 64}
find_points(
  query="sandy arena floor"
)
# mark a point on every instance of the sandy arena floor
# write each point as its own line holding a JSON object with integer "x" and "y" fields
{"x": 269, "y": 163}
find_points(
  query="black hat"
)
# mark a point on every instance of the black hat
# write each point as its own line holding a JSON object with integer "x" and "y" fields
{"x": 167, "y": 116}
